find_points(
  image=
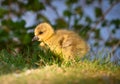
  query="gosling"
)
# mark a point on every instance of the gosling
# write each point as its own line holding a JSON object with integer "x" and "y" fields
{"x": 65, "y": 43}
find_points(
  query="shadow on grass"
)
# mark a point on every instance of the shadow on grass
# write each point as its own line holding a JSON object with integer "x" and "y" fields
{"x": 88, "y": 80}
{"x": 29, "y": 57}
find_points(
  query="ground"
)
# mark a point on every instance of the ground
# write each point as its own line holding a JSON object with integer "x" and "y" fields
{"x": 36, "y": 67}
{"x": 76, "y": 73}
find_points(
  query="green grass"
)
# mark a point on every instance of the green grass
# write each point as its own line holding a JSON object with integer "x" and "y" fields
{"x": 31, "y": 66}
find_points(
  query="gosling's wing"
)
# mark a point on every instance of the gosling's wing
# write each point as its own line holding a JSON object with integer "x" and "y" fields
{"x": 65, "y": 41}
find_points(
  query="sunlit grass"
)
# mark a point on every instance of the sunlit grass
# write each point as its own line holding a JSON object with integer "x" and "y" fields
{"x": 36, "y": 66}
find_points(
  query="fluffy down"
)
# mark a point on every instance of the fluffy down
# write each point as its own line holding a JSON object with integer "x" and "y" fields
{"x": 65, "y": 43}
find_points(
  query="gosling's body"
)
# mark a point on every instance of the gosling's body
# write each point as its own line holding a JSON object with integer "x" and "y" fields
{"x": 65, "y": 43}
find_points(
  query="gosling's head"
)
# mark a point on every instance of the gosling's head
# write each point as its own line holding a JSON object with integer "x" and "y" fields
{"x": 43, "y": 32}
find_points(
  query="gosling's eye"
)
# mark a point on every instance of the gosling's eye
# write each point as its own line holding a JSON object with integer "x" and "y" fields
{"x": 40, "y": 32}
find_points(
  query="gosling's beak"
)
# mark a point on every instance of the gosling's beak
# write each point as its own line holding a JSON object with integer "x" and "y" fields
{"x": 35, "y": 38}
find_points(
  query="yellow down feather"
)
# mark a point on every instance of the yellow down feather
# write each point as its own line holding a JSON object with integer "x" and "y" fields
{"x": 65, "y": 43}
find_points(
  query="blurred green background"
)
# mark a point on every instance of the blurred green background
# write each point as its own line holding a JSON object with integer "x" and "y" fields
{"x": 97, "y": 21}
